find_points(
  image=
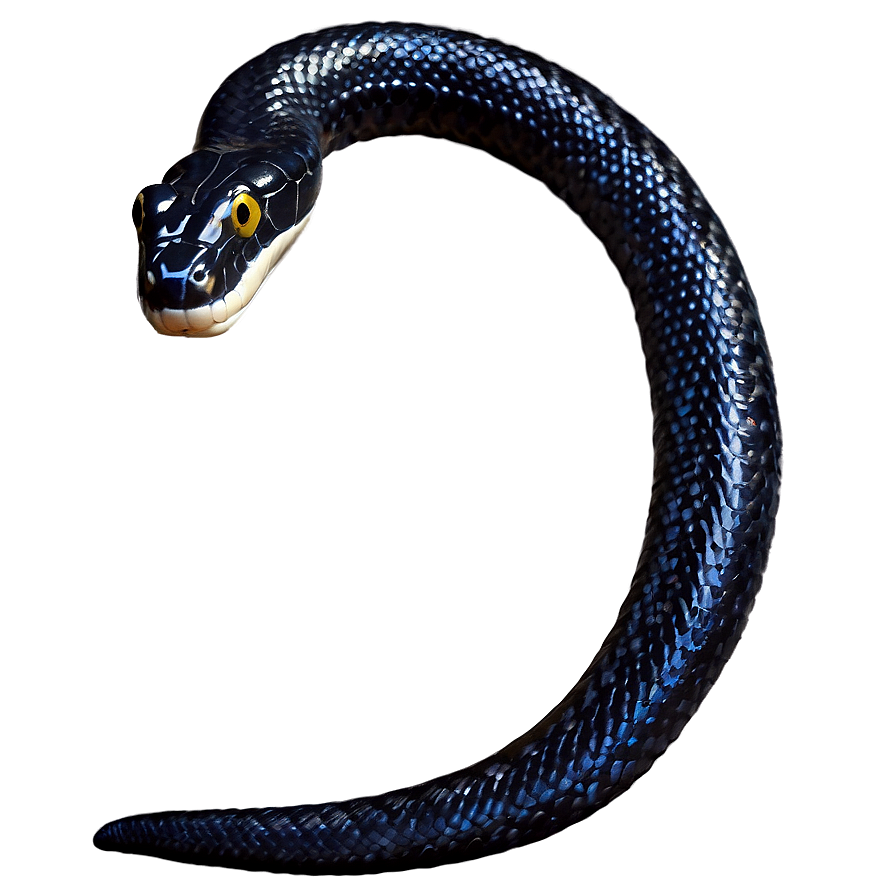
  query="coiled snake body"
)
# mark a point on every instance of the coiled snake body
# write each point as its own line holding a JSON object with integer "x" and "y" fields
{"x": 225, "y": 214}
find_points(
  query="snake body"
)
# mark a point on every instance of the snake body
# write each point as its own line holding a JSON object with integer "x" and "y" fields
{"x": 223, "y": 216}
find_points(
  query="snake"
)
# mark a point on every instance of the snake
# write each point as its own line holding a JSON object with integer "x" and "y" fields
{"x": 223, "y": 217}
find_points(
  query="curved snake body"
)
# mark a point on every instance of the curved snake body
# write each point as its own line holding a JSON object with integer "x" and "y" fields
{"x": 716, "y": 436}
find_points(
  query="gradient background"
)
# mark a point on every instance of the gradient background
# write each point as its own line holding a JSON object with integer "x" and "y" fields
{"x": 380, "y": 528}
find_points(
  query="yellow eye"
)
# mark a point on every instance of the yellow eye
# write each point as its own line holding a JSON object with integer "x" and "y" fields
{"x": 245, "y": 214}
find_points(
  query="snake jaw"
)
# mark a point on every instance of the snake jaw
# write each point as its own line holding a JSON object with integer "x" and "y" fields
{"x": 220, "y": 315}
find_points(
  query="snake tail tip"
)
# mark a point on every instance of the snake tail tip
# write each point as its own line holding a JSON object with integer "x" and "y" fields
{"x": 114, "y": 836}
{"x": 105, "y": 838}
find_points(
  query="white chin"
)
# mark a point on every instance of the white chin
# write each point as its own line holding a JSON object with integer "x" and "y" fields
{"x": 222, "y": 314}
{"x": 197, "y": 321}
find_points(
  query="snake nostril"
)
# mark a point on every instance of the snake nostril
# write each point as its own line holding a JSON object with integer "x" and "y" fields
{"x": 199, "y": 274}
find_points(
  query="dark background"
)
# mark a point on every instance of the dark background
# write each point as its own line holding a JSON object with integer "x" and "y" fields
{"x": 380, "y": 528}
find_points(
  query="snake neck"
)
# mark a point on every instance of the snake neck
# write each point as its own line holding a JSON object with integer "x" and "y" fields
{"x": 347, "y": 85}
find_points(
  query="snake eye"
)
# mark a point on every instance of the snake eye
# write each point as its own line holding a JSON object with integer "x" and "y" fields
{"x": 137, "y": 212}
{"x": 245, "y": 214}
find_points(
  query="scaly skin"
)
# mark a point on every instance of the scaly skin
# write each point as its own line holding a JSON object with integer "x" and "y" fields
{"x": 716, "y": 438}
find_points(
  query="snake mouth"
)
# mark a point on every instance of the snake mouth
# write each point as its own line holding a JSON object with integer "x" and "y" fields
{"x": 207, "y": 320}
{"x": 220, "y": 315}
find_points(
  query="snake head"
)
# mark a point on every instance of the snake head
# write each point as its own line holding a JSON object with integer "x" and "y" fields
{"x": 214, "y": 228}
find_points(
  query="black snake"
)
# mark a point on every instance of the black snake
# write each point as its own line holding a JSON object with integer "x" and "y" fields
{"x": 223, "y": 216}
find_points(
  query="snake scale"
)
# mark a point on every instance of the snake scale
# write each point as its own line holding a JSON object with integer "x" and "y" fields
{"x": 221, "y": 219}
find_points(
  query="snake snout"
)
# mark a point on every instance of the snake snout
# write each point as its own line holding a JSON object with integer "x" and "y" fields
{"x": 180, "y": 277}
{"x": 178, "y": 288}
